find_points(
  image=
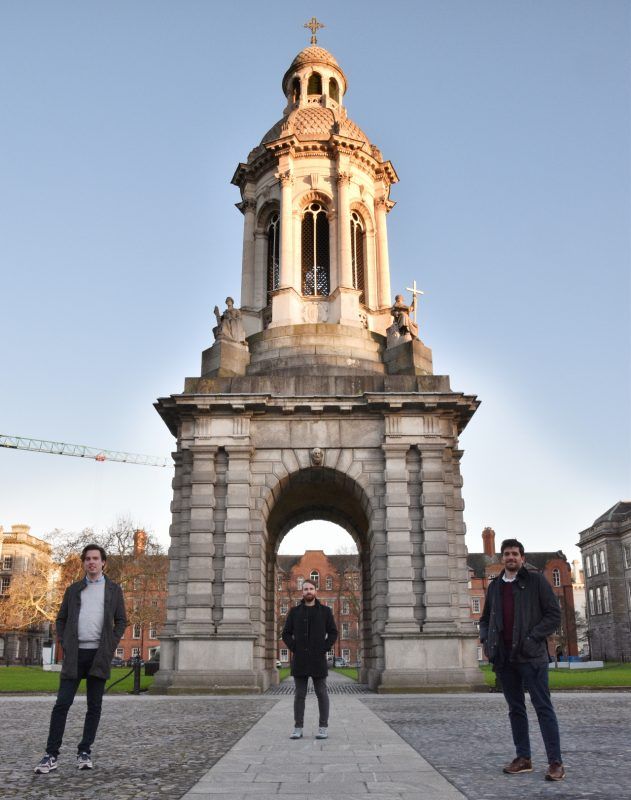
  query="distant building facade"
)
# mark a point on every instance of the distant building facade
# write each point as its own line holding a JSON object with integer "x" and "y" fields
{"x": 22, "y": 554}
{"x": 606, "y": 550}
{"x": 486, "y": 565}
{"x": 338, "y": 580}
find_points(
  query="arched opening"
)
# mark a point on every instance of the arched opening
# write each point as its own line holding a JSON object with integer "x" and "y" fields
{"x": 311, "y": 503}
{"x": 334, "y": 92}
{"x": 272, "y": 232}
{"x": 358, "y": 260}
{"x": 295, "y": 90}
{"x": 314, "y": 84}
{"x": 315, "y": 251}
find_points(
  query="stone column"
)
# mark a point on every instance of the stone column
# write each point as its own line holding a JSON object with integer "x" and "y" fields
{"x": 286, "y": 255}
{"x": 236, "y": 573}
{"x": 438, "y": 609}
{"x": 400, "y": 572}
{"x": 345, "y": 269}
{"x": 248, "y": 207}
{"x": 383, "y": 264}
{"x": 260, "y": 270}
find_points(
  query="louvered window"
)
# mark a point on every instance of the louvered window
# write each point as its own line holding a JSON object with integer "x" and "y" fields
{"x": 273, "y": 255}
{"x": 357, "y": 255}
{"x": 315, "y": 251}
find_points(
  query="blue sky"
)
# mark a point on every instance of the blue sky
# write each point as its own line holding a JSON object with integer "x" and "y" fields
{"x": 509, "y": 126}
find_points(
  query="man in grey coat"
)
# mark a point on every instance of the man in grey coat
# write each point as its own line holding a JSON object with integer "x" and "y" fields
{"x": 90, "y": 624}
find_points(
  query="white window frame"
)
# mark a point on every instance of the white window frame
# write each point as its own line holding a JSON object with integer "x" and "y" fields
{"x": 329, "y": 583}
{"x": 314, "y": 577}
{"x": 592, "y": 610}
{"x": 346, "y": 630}
{"x": 5, "y": 583}
{"x": 556, "y": 577}
{"x": 283, "y": 654}
{"x": 135, "y": 652}
{"x": 120, "y": 652}
{"x": 603, "y": 563}
{"x": 153, "y": 631}
{"x": 475, "y": 605}
{"x": 136, "y": 627}
{"x": 346, "y": 607}
{"x": 346, "y": 653}
{"x": 599, "y": 600}
{"x": 7, "y": 562}
{"x": 299, "y": 581}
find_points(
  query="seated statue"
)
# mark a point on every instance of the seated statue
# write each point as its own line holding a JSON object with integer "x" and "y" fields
{"x": 403, "y": 323}
{"x": 229, "y": 324}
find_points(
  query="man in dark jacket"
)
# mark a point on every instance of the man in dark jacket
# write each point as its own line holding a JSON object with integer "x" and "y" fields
{"x": 520, "y": 612}
{"x": 309, "y": 633}
{"x": 90, "y": 623}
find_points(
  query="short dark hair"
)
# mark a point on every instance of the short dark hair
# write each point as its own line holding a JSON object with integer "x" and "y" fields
{"x": 93, "y": 547}
{"x": 512, "y": 543}
{"x": 311, "y": 582}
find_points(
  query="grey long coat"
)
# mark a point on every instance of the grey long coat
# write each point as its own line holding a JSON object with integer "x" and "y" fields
{"x": 67, "y": 625}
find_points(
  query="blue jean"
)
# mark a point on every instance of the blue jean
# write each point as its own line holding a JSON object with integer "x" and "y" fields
{"x": 515, "y": 678}
{"x": 65, "y": 697}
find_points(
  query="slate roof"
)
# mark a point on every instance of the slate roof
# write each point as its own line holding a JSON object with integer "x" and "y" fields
{"x": 479, "y": 561}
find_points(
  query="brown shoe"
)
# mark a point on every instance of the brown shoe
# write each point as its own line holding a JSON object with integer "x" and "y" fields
{"x": 519, "y": 764}
{"x": 556, "y": 771}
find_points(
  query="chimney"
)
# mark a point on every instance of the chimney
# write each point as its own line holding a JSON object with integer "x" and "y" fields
{"x": 140, "y": 542}
{"x": 488, "y": 542}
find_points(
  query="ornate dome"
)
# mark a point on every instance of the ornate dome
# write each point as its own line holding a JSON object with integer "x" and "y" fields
{"x": 314, "y": 122}
{"x": 311, "y": 55}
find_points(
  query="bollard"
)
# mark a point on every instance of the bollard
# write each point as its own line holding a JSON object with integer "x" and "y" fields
{"x": 136, "y": 689}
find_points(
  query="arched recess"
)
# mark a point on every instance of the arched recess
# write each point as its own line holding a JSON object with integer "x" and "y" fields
{"x": 266, "y": 273}
{"x": 320, "y": 493}
{"x": 369, "y": 297}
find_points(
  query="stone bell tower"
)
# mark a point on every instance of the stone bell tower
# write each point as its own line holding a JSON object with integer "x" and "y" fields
{"x": 317, "y": 400}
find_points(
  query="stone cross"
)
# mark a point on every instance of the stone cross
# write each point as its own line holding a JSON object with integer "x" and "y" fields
{"x": 414, "y": 291}
{"x": 315, "y": 27}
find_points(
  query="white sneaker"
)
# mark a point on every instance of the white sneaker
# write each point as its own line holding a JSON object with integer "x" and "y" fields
{"x": 84, "y": 761}
{"x": 46, "y": 765}
{"x": 297, "y": 734}
{"x": 323, "y": 733}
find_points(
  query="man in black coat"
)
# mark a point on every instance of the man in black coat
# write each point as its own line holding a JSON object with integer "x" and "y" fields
{"x": 520, "y": 612}
{"x": 90, "y": 624}
{"x": 309, "y": 633}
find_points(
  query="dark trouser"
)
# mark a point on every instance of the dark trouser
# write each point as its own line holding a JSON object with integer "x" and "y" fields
{"x": 515, "y": 678}
{"x": 319, "y": 686}
{"x": 67, "y": 690}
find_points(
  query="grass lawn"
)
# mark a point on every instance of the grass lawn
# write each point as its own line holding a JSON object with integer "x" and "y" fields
{"x": 34, "y": 679}
{"x": 350, "y": 672}
{"x": 612, "y": 674}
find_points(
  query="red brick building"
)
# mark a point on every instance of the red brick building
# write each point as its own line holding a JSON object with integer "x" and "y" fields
{"x": 556, "y": 568}
{"x": 338, "y": 580}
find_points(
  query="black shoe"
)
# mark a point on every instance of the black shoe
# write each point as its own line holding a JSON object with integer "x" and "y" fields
{"x": 46, "y": 765}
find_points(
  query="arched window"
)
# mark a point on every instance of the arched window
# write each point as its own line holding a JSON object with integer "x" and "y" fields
{"x": 334, "y": 92}
{"x": 295, "y": 90}
{"x": 273, "y": 255}
{"x": 357, "y": 254}
{"x": 315, "y": 578}
{"x": 556, "y": 577}
{"x": 314, "y": 84}
{"x": 315, "y": 251}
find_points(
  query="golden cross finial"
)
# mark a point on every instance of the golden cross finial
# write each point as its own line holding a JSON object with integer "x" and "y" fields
{"x": 315, "y": 27}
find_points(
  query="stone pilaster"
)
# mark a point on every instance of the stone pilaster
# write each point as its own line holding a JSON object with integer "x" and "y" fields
{"x": 248, "y": 207}
{"x": 399, "y": 542}
{"x": 345, "y": 271}
{"x": 383, "y": 263}
{"x": 286, "y": 254}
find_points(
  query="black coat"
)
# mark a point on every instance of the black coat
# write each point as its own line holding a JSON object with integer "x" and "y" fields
{"x": 309, "y": 643}
{"x": 537, "y": 615}
{"x": 67, "y": 625}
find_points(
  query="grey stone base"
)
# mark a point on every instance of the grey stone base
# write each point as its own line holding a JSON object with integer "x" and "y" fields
{"x": 411, "y": 357}
{"x": 197, "y": 682}
{"x": 225, "y": 359}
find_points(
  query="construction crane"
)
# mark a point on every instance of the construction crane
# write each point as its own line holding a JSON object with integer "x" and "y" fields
{"x": 80, "y": 451}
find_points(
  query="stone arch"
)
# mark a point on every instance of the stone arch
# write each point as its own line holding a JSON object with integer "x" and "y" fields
{"x": 324, "y": 493}
{"x": 364, "y": 213}
{"x": 314, "y": 196}
{"x": 268, "y": 208}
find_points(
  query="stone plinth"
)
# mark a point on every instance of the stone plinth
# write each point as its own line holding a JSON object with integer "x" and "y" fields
{"x": 408, "y": 357}
{"x": 225, "y": 359}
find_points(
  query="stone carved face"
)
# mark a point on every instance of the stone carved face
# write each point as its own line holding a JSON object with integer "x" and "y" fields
{"x": 317, "y": 457}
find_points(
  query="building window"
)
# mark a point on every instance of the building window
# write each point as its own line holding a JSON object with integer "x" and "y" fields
{"x": 315, "y": 578}
{"x": 606, "y": 604}
{"x": 283, "y": 608}
{"x": 329, "y": 583}
{"x": 153, "y": 631}
{"x": 299, "y": 581}
{"x": 284, "y": 654}
{"x": 357, "y": 254}
{"x": 591, "y": 602}
{"x": 295, "y": 90}
{"x": 346, "y": 607}
{"x": 346, "y": 654}
{"x": 595, "y": 563}
{"x": 588, "y": 567}
{"x": 330, "y": 655}
{"x": 475, "y": 605}
{"x": 7, "y": 562}
{"x": 315, "y": 251}
{"x": 599, "y": 601}
{"x": 273, "y": 255}
{"x": 346, "y": 628}
{"x": 556, "y": 577}
{"x": 136, "y": 631}
{"x": 334, "y": 92}
{"x": 4, "y": 585}
{"x": 627, "y": 556}
{"x": 603, "y": 566}
{"x": 135, "y": 652}
{"x": 314, "y": 84}
{"x": 120, "y": 652}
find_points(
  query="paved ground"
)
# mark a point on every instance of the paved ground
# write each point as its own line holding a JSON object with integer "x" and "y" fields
{"x": 454, "y": 748}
